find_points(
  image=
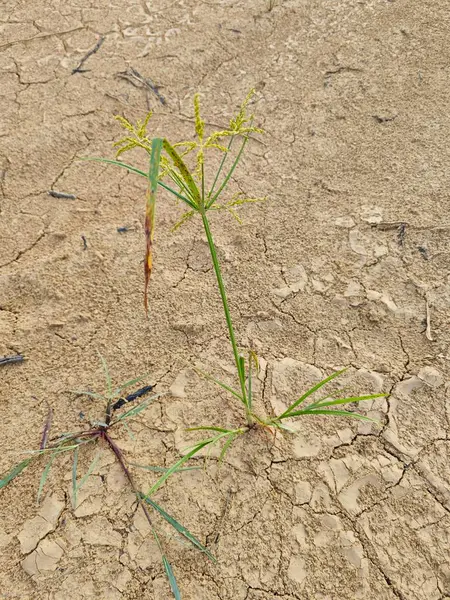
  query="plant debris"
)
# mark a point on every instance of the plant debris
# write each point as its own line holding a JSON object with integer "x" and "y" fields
{"x": 7, "y": 360}
{"x": 138, "y": 80}
{"x": 62, "y": 195}
{"x": 95, "y": 49}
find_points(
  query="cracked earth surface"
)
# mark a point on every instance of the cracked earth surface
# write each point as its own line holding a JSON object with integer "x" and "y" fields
{"x": 347, "y": 263}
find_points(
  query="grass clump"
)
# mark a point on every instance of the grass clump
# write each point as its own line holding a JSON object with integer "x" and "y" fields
{"x": 99, "y": 434}
{"x": 201, "y": 192}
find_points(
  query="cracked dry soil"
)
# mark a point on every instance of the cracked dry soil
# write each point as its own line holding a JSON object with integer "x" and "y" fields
{"x": 342, "y": 266}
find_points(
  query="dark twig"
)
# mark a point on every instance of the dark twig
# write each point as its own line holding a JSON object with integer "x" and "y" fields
{"x": 95, "y": 49}
{"x": 135, "y": 78}
{"x": 61, "y": 195}
{"x": 401, "y": 234}
{"x": 134, "y": 396}
{"x": 85, "y": 246}
{"x": 6, "y": 360}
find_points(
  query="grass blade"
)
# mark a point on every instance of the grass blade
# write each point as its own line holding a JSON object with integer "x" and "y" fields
{"x": 128, "y": 430}
{"x": 220, "y": 383}
{"x": 226, "y": 446}
{"x": 119, "y": 163}
{"x": 171, "y": 578}
{"x": 180, "y": 462}
{"x": 229, "y": 174}
{"x": 345, "y": 400}
{"x": 14, "y": 472}
{"x": 180, "y": 528}
{"x": 210, "y": 428}
{"x": 177, "y": 180}
{"x": 310, "y": 392}
{"x": 162, "y": 469}
{"x": 137, "y": 409}
{"x": 89, "y": 471}
{"x": 222, "y": 163}
{"x": 107, "y": 374}
{"x": 129, "y": 383}
{"x": 241, "y": 374}
{"x": 74, "y": 478}
{"x": 150, "y": 207}
{"x": 184, "y": 172}
{"x": 45, "y": 474}
{"x": 46, "y": 431}
{"x": 60, "y": 448}
{"x": 335, "y": 413}
{"x": 252, "y": 357}
{"x": 280, "y": 425}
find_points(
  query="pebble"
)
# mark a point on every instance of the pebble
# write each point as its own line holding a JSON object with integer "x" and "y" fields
{"x": 346, "y": 222}
{"x": 431, "y": 376}
{"x": 372, "y": 215}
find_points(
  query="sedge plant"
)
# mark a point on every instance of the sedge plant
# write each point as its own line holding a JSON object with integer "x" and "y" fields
{"x": 181, "y": 169}
{"x": 99, "y": 434}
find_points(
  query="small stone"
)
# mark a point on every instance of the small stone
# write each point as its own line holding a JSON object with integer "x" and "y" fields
{"x": 322, "y": 539}
{"x": 431, "y": 376}
{"x": 385, "y": 299}
{"x": 296, "y": 275}
{"x": 270, "y": 326}
{"x": 177, "y": 389}
{"x": 302, "y": 492}
{"x": 373, "y": 295}
{"x": 346, "y": 222}
{"x": 299, "y": 532}
{"x": 56, "y": 324}
{"x": 372, "y": 215}
{"x": 354, "y": 288}
{"x": 409, "y": 385}
{"x": 354, "y": 239}
{"x": 5, "y": 539}
{"x": 297, "y": 569}
{"x": 318, "y": 285}
{"x": 380, "y": 250}
{"x": 282, "y": 292}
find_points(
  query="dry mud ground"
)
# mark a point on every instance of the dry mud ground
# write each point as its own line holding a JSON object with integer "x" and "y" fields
{"x": 336, "y": 268}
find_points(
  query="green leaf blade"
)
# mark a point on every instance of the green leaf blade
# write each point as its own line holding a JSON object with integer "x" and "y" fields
{"x": 333, "y": 413}
{"x": 219, "y": 383}
{"x": 349, "y": 400}
{"x": 15, "y": 471}
{"x": 310, "y": 392}
{"x": 74, "y": 478}
{"x": 180, "y": 528}
{"x": 171, "y": 577}
{"x": 177, "y": 465}
{"x": 44, "y": 476}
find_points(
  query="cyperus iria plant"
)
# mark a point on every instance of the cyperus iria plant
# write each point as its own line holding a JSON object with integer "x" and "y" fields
{"x": 202, "y": 192}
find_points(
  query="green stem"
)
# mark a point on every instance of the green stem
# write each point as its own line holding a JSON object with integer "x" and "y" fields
{"x": 223, "y": 295}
